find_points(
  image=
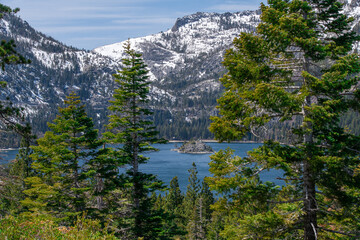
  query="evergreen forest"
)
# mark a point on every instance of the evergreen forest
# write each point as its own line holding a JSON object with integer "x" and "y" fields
{"x": 293, "y": 84}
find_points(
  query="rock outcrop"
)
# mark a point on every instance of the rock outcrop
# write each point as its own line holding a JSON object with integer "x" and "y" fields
{"x": 195, "y": 147}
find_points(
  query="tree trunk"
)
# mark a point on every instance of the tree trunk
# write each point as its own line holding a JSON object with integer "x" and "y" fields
{"x": 135, "y": 166}
{"x": 99, "y": 188}
{"x": 310, "y": 206}
{"x": 309, "y": 193}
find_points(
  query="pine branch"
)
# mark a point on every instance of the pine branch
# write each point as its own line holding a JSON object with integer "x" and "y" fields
{"x": 289, "y": 179}
{"x": 338, "y": 232}
{"x": 281, "y": 115}
{"x": 289, "y": 201}
{"x": 347, "y": 94}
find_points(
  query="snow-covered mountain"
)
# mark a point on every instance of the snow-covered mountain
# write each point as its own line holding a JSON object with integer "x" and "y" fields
{"x": 352, "y": 9}
{"x": 195, "y": 43}
{"x": 55, "y": 71}
{"x": 184, "y": 64}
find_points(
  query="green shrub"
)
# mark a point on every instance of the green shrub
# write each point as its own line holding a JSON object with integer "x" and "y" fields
{"x": 21, "y": 227}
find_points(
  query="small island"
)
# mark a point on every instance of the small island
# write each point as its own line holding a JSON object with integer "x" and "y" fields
{"x": 194, "y": 147}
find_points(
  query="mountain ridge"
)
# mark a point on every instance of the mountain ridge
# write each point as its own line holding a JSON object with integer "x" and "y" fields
{"x": 184, "y": 63}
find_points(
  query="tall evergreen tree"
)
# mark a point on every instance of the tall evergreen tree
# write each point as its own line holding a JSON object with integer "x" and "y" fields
{"x": 203, "y": 204}
{"x": 174, "y": 207}
{"x": 10, "y": 116}
{"x": 61, "y": 161}
{"x": 190, "y": 203}
{"x": 294, "y": 68}
{"x": 197, "y": 202}
{"x": 103, "y": 175}
{"x": 175, "y": 197}
{"x": 11, "y": 192}
{"x": 131, "y": 125}
{"x": 12, "y": 120}
{"x": 8, "y": 53}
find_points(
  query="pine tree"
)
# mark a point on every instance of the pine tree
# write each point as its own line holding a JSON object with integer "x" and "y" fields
{"x": 203, "y": 203}
{"x": 11, "y": 192}
{"x": 216, "y": 226}
{"x": 174, "y": 207}
{"x": 131, "y": 125}
{"x": 61, "y": 161}
{"x": 174, "y": 198}
{"x": 191, "y": 208}
{"x": 11, "y": 117}
{"x": 197, "y": 204}
{"x": 294, "y": 68}
{"x": 102, "y": 172}
{"x": 8, "y": 54}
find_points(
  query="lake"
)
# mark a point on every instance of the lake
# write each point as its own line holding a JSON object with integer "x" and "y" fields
{"x": 167, "y": 164}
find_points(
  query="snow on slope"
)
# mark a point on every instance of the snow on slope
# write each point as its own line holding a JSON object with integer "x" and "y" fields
{"x": 185, "y": 63}
{"x": 352, "y": 9}
{"x": 53, "y": 63}
{"x": 191, "y": 36}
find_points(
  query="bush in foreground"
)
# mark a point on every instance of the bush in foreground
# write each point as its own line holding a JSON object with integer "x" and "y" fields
{"x": 41, "y": 228}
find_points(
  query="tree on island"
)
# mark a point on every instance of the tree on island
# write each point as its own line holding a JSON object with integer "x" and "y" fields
{"x": 294, "y": 68}
{"x": 131, "y": 126}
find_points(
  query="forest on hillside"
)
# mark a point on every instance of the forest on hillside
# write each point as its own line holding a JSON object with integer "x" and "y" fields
{"x": 293, "y": 84}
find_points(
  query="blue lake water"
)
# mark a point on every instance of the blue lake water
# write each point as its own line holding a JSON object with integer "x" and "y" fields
{"x": 166, "y": 163}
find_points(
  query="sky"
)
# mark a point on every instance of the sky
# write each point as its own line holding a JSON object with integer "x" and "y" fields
{"x": 88, "y": 24}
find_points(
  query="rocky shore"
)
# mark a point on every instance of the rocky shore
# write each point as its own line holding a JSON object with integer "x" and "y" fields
{"x": 194, "y": 147}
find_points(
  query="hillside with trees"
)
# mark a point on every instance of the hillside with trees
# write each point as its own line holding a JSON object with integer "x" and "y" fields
{"x": 296, "y": 66}
{"x": 297, "y": 74}
{"x": 184, "y": 65}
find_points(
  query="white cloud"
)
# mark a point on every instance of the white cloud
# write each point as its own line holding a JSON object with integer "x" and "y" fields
{"x": 80, "y": 22}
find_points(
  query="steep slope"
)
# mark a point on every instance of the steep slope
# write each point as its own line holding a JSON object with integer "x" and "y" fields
{"x": 55, "y": 71}
{"x": 352, "y": 9}
{"x": 184, "y": 64}
{"x": 195, "y": 44}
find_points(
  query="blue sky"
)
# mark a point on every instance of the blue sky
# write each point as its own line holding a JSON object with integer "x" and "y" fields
{"x": 92, "y": 23}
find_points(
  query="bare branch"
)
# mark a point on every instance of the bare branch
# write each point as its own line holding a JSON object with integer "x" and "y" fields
{"x": 259, "y": 171}
{"x": 354, "y": 150}
{"x": 292, "y": 87}
{"x": 338, "y": 232}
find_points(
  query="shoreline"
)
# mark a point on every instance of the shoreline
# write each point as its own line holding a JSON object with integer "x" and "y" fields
{"x": 177, "y": 150}
{"x": 8, "y": 149}
{"x": 170, "y": 141}
{"x": 213, "y": 141}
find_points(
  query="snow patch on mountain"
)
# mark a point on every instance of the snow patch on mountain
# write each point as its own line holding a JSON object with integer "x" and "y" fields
{"x": 184, "y": 65}
{"x": 182, "y": 48}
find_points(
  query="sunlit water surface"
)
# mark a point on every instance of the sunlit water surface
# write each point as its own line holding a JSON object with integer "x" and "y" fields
{"x": 166, "y": 163}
